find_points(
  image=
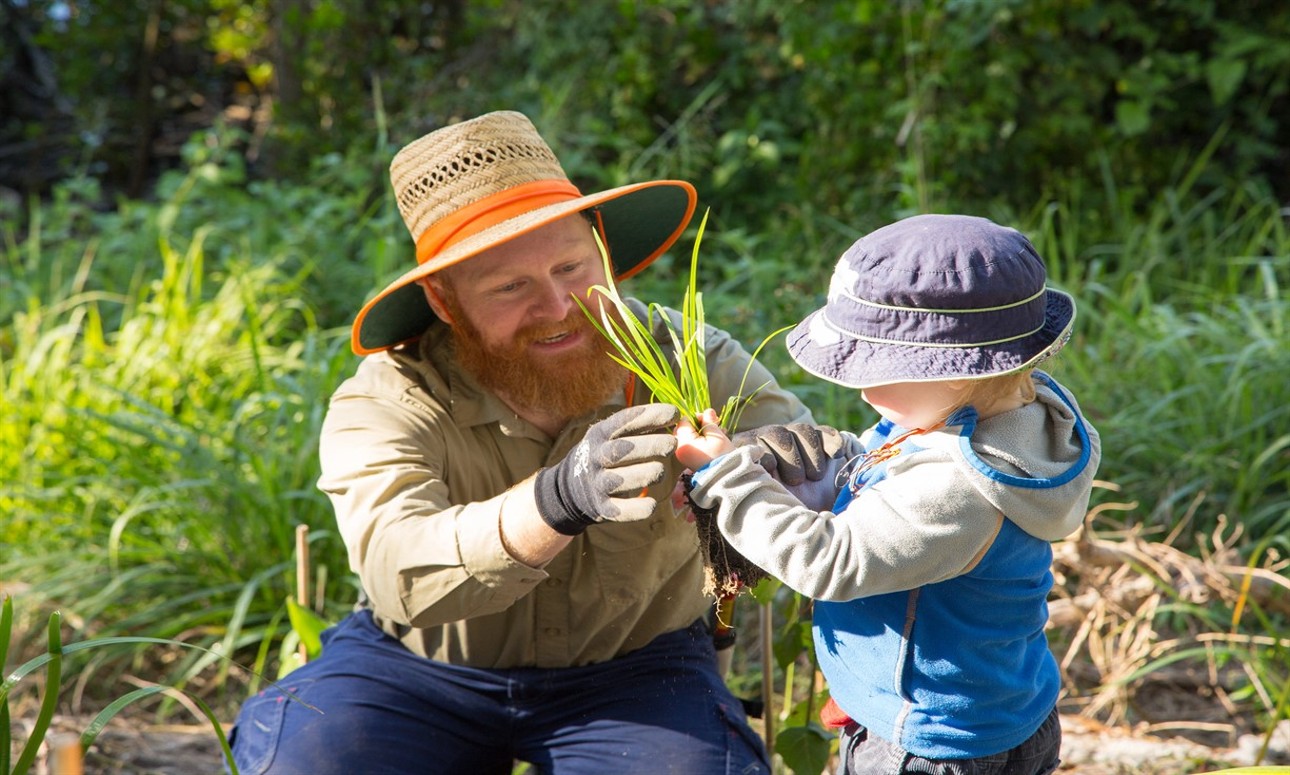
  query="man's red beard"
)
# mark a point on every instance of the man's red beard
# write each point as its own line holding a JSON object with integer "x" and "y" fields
{"x": 563, "y": 385}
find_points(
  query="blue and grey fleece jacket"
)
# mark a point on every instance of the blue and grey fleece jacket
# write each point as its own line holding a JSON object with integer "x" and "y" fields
{"x": 931, "y": 571}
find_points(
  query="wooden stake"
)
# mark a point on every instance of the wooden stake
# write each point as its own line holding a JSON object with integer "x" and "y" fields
{"x": 65, "y": 755}
{"x": 768, "y": 677}
{"x": 302, "y": 577}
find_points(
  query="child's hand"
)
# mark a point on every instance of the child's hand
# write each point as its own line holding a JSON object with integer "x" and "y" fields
{"x": 694, "y": 448}
{"x": 681, "y": 501}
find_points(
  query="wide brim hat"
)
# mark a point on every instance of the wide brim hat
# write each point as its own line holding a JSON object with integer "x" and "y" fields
{"x": 933, "y": 298}
{"x": 476, "y": 184}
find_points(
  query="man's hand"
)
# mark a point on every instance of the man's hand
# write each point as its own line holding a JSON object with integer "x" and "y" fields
{"x": 604, "y": 476}
{"x": 794, "y": 453}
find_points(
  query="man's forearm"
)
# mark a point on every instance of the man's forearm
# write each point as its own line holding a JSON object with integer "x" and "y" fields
{"x": 525, "y": 535}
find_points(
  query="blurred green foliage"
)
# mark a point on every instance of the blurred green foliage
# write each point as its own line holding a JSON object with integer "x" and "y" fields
{"x": 203, "y": 205}
{"x": 857, "y": 107}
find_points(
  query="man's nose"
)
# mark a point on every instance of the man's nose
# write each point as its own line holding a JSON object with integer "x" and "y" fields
{"x": 556, "y": 301}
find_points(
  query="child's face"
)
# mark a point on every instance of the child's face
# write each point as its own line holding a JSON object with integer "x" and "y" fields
{"x": 914, "y": 404}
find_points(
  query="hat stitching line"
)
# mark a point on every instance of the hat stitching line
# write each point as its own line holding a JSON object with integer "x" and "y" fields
{"x": 948, "y": 346}
{"x": 898, "y": 308}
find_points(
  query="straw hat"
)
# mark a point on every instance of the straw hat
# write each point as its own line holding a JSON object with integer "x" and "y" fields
{"x": 932, "y": 298}
{"x": 470, "y": 186}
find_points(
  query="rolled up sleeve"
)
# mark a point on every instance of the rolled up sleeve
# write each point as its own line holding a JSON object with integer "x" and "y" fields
{"x": 422, "y": 559}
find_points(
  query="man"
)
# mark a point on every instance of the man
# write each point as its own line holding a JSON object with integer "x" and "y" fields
{"x": 502, "y": 488}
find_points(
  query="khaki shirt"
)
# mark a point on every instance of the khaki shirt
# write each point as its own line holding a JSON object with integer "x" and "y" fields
{"x": 418, "y": 459}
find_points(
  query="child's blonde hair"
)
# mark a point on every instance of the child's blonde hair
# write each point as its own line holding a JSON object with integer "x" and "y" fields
{"x": 986, "y": 392}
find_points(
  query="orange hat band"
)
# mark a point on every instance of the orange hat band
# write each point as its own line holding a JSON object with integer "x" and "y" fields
{"x": 490, "y": 211}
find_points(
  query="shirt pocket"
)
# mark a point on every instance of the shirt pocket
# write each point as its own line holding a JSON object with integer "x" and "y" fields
{"x": 630, "y": 555}
{"x": 614, "y": 537}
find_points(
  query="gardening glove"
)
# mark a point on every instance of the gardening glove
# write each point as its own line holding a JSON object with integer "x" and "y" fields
{"x": 604, "y": 476}
{"x": 794, "y": 453}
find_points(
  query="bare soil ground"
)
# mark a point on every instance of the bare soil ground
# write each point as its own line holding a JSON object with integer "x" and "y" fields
{"x": 138, "y": 747}
{"x": 1126, "y": 709}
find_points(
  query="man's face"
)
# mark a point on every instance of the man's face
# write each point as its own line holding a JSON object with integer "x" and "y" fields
{"x": 517, "y": 327}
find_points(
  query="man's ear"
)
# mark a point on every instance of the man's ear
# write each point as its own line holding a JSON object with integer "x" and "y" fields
{"x": 434, "y": 297}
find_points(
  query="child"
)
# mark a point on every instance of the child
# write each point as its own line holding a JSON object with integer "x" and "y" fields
{"x": 929, "y": 555}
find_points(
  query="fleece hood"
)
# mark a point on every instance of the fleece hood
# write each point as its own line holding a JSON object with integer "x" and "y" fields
{"x": 1038, "y": 479}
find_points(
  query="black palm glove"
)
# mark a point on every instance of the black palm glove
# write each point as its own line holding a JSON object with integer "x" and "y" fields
{"x": 794, "y": 453}
{"x": 603, "y": 477}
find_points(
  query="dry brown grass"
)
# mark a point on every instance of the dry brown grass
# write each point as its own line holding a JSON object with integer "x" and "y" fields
{"x": 1133, "y": 623}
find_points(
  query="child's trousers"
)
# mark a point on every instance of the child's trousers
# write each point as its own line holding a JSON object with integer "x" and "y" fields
{"x": 865, "y": 754}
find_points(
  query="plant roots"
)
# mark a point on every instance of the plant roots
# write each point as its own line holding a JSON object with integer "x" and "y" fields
{"x": 725, "y": 570}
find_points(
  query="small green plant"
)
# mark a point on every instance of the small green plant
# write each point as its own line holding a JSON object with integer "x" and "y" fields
{"x": 639, "y": 351}
{"x": 53, "y": 662}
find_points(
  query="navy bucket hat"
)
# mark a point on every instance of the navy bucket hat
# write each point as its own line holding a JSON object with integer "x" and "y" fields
{"x": 932, "y": 298}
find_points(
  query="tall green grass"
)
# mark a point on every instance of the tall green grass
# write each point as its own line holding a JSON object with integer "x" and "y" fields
{"x": 164, "y": 369}
{"x": 1181, "y": 351}
{"x": 162, "y": 382}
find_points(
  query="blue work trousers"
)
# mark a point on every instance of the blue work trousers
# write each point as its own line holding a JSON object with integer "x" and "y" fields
{"x": 378, "y": 708}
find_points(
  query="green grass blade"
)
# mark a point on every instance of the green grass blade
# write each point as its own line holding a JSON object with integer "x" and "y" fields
{"x": 5, "y": 744}
{"x": 6, "y": 627}
{"x": 97, "y": 724}
{"x": 308, "y": 625}
{"x": 48, "y": 703}
{"x": 693, "y": 322}
{"x": 219, "y": 733}
{"x": 689, "y": 345}
{"x": 100, "y": 721}
{"x": 634, "y": 338}
{"x": 729, "y": 418}
{"x": 635, "y": 348}
{"x": 36, "y": 663}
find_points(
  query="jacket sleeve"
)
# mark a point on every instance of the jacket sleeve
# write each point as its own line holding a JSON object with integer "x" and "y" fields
{"x": 892, "y": 537}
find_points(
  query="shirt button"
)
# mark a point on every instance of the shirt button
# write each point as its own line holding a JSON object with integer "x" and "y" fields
{"x": 552, "y": 631}
{"x": 554, "y": 582}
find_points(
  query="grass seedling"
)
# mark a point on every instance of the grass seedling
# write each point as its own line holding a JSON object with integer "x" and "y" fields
{"x": 637, "y": 349}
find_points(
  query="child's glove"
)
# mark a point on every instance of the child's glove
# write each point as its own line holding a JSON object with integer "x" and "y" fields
{"x": 794, "y": 453}
{"x": 604, "y": 475}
